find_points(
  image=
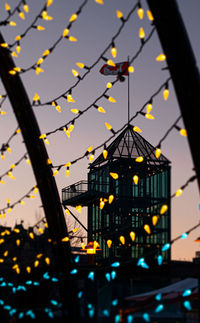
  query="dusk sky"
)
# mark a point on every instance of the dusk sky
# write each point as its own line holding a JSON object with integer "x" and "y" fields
{"x": 94, "y": 29}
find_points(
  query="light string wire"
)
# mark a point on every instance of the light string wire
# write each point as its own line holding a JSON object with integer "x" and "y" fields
{"x": 6, "y": 146}
{"x": 93, "y": 104}
{"x": 36, "y": 66}
{"x": 11, "y": 13}
{"x": 12, "y": 167}
{"x": 89, "y": 68}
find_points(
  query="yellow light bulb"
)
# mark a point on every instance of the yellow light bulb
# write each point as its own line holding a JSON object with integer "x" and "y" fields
{"x": 102, "y": 110}
{"x": 109, "y": 243}
{"x": 147, "y": 228}
{"x": 28, "y": 269}
{"x": 137, "y": 129}
{"x": 166, "y": 94}
{"x": 72, "y": 38}
{"x": 183, "y": 132}
{"x": 81, "y": 65}
{"x": 154, "y": 220}
{"x": 110, "y": 198}
{"x": 108, "y": 126}
{"x": 131, "y": 69}
{"x": 132, "y": 235}
{"x": 75, "y": 73}
{"x": 18, "y": 242}
{"x": 158, "y": 152}
{"x": 109, "y": 85}
{"x": 111, "y": 99}
{"x": 122, "y": 240}
{"x": 78, "y": 208}
{"x": 113, "y": 52}
{"x": 101, "y": 205}
{"x": 90, "y": 149}
{"x": 47, "y": 260}
{"x": 40, "y": 28}
{"x": 65, "y": 32}
{"x": 36, "y": 97}
{"x": 12, "y": 23}
{"x": 36, "y": 263}
{"x": 21, "y": 15}
{"x": 149, "y": 15}
{"x": 75, "y": 111}
{"x": 18, "y": 49}
{"x": 46, "y": 53}
{"x": 149, "y": 107}
{"x": 141, "y": 33}
{"x": 119, "y": 14}
{"x": 105, "y": 153}
{"x": 135, "y": 179}
{"x": 161, "y": 58}
{"x": 67, "y": 173}
{"x": 139, "y": 159}
{"x": 7, "y": 7}
{"x": 149, "y": 116}
{"x": 179, "y": 192}
{"x": 49, "y": 3}
{"x": 99, "y": 1}
{"x": 26, "y": 8}
{"x": 73, "y": 17}
{"x": 114, "y": 175}
{"x": 140, "y": 13}
{"x": 163, "y": 209}
{"x": 91, "y": 158}
{"x": 4, "y": 45}
{"x": 31, "y": 235}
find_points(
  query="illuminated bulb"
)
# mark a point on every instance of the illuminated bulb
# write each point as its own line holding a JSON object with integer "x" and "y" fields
{"x": 45, "y": 15}
{"x": 81, "y": 65}
{"x": 163, "y": 209}
{"x": 9, "y": 149}
{"x": 41, "y": 230}
{"x": 11, "y": 175}
{"x": 137, "y": 129}
{"x": 109, "y": 85}
{"x": 140, "y": 13}
{"x": 5, "y": 254}
{"x": 18, "y": 242}
{"x": 67, "y": 212}
{"x": 21, "y": 15}
{"x": 12, "y": 72}
{"x": 158, "y": 152}
{"x": 55, "y": 172}
{"x": 65, "y": 32}
{"x": 141, "y": 33}
{"x": 154, "y": 220}
{"x": 183, "y": 132}
{"x": 99, "y": 1}
{"x": 161, "y": 58}
{"x": 110, "y": 62}
{"x": 75, "y": 73}
{"x": 26, "y": 8}
{"x": 91, "y": 158}
{"x": 113, "y": 51}
{"x": 108, "y": 126}
{"x": 149, "y": 107}
{"x": 139, "y": 159}
{"x": 105, "y": 153}
{"x": 31, "y": 235}
{"x": 101, "y": 205}
{"x": 36, "y": 263}
{"x": 132, "y": 235}
{"x": 114, "y": 175}
{"x": 72, "y": 39}
{"x": 18, "y": 49}
{"x": 131, "y": 69}
{"x": 35, "y": 189}
{"x": 14, "y": 54}
{"x": 46, "y": 53}
{"x": 109, "y": 243}
{"x": 36, "y": 97}
{"x": 149, "y": 116}
{"x": 90, "y": 149}
{"x": 78, "y": 208}
{"x": 4, "y": 45}
{"x": 69, "y": 98}
{"x": 49, "y": 3}
{"x": 28, "y": 160}
{"x": 135, "y": 179}
{"x": 122, "y": 239}
{"x": 12, "y": 23}
{"x": 67, "y": 172}
{"x": 102, "y": 110}
{"x": 119, "y": 14}
{"x": 179, "y": 192}
{"x": 166, "y": 94}
{"x": 147, "y": 228}
{"x": 110, "y": 198}
{"x": 83, "y": 245}
{"x": 22, "y": 202}
{"x": 73, "y": 17}
{"x": 75, "y": 230}
{"x": 47, "y": 260}
{"x": 40, "y": 61}
{"x": 28, "y": 269}
{"x": 7, "y": 7}
{"x": 149, "y": 15}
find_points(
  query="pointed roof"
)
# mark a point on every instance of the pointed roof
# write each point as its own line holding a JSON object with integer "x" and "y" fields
{"x": 130, "y": 144}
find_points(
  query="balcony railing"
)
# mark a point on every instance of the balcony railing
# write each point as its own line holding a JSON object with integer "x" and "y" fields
{"x": 83, "y": 187}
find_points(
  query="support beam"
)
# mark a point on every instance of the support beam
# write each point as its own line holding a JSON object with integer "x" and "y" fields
{"x": 43, "y": 174}
{"x": 182, "y": 66}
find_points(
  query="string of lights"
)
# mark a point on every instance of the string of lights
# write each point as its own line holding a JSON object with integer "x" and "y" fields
{"x": 12, "y": 12}
{"x": 9, "y": 172}
{"x": 67, "y": 94}
{"x": 10, "y": 206}
{"x": 43, "y": 15}
{"x": 92, "y": 105}
{"x": 5, "y": 147}
{"x": 3, "y": 97}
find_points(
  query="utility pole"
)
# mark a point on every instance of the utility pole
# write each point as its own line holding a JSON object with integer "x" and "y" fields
{"x": 44, "y": 178}
{"x": 182, "y": 67}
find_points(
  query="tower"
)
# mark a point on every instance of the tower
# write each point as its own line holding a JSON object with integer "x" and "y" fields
{"x": 124, "y": 195}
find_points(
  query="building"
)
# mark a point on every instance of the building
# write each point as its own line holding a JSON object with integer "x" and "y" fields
{"x": 126, "y": 188}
